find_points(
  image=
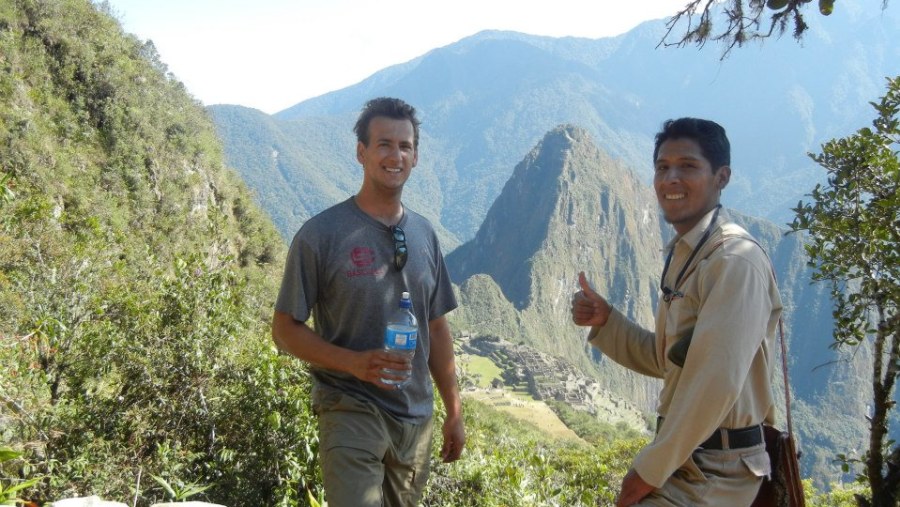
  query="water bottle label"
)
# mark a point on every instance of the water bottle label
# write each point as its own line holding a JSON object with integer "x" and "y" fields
{"x": 405, "y": 340}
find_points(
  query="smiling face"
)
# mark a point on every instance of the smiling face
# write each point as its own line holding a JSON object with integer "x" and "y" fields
{"x": 686, "y": 186}
{"x": 390, "y": 155}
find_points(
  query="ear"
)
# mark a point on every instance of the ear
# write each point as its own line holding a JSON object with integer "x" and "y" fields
{"x": 415, "y": 159}
{"x": 360, "y": 148}
{"x": 723, "y": 176}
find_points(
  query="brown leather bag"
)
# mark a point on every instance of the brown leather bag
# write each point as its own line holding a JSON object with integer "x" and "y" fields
{"x": 784, "y": 486}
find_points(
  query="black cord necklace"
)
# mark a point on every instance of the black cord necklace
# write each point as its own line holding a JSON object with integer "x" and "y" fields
{"x": 670, "y": 294}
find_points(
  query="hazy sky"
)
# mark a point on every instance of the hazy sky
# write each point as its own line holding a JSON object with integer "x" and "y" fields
{"x": 272, "y": 54}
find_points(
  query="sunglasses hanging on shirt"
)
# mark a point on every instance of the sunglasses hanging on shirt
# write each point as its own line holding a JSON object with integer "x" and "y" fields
{"x": 400, "y": 252}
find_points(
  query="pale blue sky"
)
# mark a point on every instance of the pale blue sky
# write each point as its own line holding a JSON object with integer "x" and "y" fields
{"x": 272, "y": 54}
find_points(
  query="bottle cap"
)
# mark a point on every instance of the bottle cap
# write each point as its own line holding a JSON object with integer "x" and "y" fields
{"x": 404, "y": 295}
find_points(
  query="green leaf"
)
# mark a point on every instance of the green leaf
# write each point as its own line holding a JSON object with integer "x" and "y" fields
{"x": 8, "y": 454}
{"x": 162, "y": 482}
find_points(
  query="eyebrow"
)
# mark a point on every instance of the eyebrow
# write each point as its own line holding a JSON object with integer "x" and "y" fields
{"x": 392, "y": 140}
{"x": 679, "y": 158}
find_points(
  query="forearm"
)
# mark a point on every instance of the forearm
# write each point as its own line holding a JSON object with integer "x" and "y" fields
{"x": 442, "y": 365}
{"x": 297, "y": 339}
{"x": 628, "y": 344}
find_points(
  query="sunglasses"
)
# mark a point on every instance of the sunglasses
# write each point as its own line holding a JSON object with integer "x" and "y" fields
{"x": 400, "y": 252}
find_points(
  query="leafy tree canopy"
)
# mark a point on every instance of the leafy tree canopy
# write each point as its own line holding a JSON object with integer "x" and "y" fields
{"x": 854, "y": 244}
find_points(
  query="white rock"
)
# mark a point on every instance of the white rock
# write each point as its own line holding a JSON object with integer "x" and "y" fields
{"x": 87, "y": 501}
{"x": 186, "y": 504}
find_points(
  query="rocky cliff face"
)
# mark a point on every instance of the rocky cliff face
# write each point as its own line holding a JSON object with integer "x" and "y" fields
{"x": 568, "y": 207}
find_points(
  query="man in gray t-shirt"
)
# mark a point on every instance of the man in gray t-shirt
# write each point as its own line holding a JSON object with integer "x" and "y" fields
{"x": 346, "y": 268}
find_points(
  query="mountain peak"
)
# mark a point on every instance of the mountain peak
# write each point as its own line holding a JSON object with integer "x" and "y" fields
{"x": 565, "y": 199}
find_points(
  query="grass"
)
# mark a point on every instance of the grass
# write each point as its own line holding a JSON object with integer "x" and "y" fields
{"x": 481, "y": 370}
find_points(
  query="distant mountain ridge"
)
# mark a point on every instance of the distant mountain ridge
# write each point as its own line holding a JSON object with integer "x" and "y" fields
{"x": 487, "y": 99}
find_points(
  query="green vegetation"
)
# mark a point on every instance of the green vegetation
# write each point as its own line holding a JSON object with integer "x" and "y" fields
{"x": 480, "y": 370}
{"x": 511, "y": 463}
{"x": 854, "y": 231}
{"x": 9, "y": 488}
{"x": 136, "y": 279}
{"x": 592, "y": 429}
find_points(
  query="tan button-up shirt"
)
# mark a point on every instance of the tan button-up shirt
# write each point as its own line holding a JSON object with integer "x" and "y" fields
{"x": 728, "y": 304}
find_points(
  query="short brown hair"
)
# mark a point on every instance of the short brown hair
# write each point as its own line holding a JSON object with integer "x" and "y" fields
{"x": 390, "y": 108}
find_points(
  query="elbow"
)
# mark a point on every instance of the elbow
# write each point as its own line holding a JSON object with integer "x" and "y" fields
{"x": 276, "y": 333}
{"x": 276, "y": 341}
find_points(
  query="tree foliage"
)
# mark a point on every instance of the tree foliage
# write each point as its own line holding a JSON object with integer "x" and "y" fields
{"x": 701, "y": 21}
{"x": 136, "y": 281}
{"x": 854, "y": 243}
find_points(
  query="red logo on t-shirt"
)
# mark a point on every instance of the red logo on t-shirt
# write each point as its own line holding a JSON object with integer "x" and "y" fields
{"x": 362, "y": 256}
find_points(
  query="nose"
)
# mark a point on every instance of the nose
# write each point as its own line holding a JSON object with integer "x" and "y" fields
{"x": 395, "y": 153}
{"x": 670, "y": 175}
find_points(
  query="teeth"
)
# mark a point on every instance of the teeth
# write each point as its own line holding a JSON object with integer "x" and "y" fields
{"x": 393, "y": 169}
{"x": 673, "y": 197}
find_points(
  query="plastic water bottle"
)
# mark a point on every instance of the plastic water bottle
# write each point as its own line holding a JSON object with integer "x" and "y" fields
{"x": 401, "y": 336}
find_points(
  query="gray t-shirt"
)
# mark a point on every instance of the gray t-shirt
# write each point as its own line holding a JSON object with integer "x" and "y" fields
{"x": 340, "y": 270}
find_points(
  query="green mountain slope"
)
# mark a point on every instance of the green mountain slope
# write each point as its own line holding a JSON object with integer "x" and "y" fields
{"x": 568, "y": 207}
{"x": 269, "y": 152}
{"x": 137, "y": 277}
{"x": 297, "y": 168}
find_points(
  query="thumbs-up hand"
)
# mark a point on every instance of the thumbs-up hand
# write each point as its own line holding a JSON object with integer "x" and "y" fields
{"x": 588, "y": 307}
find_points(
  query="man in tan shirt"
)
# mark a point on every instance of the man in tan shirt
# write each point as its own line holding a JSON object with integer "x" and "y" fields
{"x": 713, "y": 344}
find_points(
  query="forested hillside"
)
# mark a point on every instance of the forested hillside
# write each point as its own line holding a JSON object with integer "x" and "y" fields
{"x": 136, "y": 279}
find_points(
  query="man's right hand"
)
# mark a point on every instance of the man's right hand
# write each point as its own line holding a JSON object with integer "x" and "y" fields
{"x": 634, "y": 489}
{"x": 370, "y": 363}
{"x": 299, "y": 340}
{"x": 588, "y": 307}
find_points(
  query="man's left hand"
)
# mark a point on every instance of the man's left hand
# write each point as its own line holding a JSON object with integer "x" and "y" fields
{"x": 454, "y": 439}
{"x": 634, "y": 489}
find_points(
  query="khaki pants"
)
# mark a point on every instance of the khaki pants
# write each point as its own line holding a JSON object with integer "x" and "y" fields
{"x": 711, "y": 478}
{"x": 369, "y": 458}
